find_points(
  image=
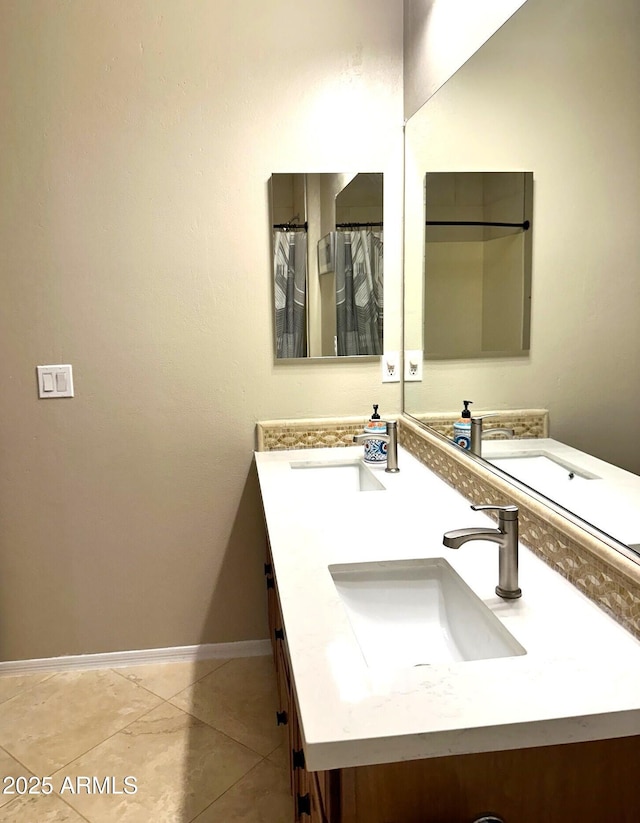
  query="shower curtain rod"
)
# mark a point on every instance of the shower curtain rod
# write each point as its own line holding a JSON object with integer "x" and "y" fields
{"x": 305, "y": 226}
{"x": 524, "y": 225}
{"x": 291, "y": 226}
{"x": 357, "y": 225}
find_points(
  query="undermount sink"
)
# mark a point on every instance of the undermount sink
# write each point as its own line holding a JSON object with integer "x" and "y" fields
{"x": 418, "y": 612}
{"x": 537, "y": 468}
{"x": 336, "y": 477}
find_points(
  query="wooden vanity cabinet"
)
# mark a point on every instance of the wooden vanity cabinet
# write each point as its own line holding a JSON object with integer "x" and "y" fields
{"x": 573, "y": 783}
{"x": 583, "y": 782}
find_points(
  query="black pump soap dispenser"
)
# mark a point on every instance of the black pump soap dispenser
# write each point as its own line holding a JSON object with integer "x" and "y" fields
{"x": 375, "y": 451}
{"x": 462, "y": 427}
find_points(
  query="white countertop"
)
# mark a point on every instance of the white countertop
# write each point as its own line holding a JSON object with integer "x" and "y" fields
{"x": 580, "y": 678}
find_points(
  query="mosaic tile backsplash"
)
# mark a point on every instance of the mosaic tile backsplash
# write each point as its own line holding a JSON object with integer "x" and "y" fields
{"x": 607, "y": 577}
{"x": 526, "y": 423}
{"x": 277, "y": 435}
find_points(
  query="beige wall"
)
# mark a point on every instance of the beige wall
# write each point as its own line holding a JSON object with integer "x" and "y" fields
{"x": 440, "y": 35}
{"x": 503, "y": 296}
{"x": 555, "y": 91}
{"x": 453, "y": 298}
{"x": 137, "y": 141}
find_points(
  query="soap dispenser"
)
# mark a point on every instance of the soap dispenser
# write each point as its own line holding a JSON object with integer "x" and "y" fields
{"x": 462, "y": 427}
{"x": 375, "y": 451}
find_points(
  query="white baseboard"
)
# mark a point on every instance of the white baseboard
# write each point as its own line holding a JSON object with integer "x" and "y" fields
{"x": 137, "y": 657}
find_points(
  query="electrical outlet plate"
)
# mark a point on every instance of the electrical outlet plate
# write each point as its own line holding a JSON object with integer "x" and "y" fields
{"x": 55, "y": 381}
{"x": 390, "y": 364}
{"x": 413, "y": 365}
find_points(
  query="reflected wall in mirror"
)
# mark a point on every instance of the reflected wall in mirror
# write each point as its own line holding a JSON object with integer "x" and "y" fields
{"x": 477, "y": 264}
{"x": 328, "y": 273}
{"x": 512, "y": 107}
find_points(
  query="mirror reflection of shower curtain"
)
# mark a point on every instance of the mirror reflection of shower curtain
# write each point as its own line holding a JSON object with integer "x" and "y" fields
{"x": 359, "y": 292}
{"x": 290, "y": 280}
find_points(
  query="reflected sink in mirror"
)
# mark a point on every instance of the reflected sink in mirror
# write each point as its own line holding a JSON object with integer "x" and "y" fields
{"x": 418, "y": 612}
{"x": 336, "y": 478}
{"x": 541, "y": 470}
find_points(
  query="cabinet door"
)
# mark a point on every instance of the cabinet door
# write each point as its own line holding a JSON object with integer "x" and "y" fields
{"x": 311, "y": 791}
{"x": 324, "y": 809}
{"x": 587, "y": 782}
{"x": 286, "y": 717}
{"x": 273, "y": 609}
{"x": 307, "y": 795}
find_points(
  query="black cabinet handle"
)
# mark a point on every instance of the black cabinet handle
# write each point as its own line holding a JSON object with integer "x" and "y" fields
{"x": 297, "y": 758}
{"x": 282, "y": 718}
{"x": 268, "y": 568}
{"x": 279, "y": 634}
{"x": 271, "y": 583}
{"x": 304, "y": 804}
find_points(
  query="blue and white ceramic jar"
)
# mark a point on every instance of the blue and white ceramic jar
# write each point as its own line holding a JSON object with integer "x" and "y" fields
{"x": 375, "y": 451}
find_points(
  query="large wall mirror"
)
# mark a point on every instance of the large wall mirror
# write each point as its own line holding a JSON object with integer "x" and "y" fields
{"x": 328, "y": 272}
{"x": 558, "y": 94}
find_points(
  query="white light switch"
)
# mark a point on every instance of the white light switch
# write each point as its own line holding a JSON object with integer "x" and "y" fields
{"x": 55, "y": 381}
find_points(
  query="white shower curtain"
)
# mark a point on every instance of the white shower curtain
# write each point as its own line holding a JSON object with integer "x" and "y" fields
{"x": 290, "y": 282}
{"x": 359, "y": 292}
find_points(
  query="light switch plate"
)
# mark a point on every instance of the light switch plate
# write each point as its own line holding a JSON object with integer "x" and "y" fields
{"x": 390, "y": 364}
{"x": 55, "y": 381}
{"x": 413, "y": 365}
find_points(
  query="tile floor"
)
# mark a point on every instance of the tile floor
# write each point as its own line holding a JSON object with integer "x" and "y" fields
{"x": 199, "y": 739}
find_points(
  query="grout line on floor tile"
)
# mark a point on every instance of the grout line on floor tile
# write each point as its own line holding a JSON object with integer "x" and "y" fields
{"x": 189, "y": 686}
{"x": 109, "y": 736}
{"x": 73, "y": 809}
{"x": 219, "y": 731}
{"x": 27, "y": 689}
{"x": 217, "y": 669}
{"x": 207, "y": 674}
{"x": 133, "y": 682}
{"x": 13, "y": 757}
{"x": 228, "y": 789}
{"x": 281, "y": 743}
{"x": 24, "y": 688}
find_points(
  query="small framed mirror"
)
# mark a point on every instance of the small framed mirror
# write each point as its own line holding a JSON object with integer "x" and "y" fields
{"x": 328, "y": 264}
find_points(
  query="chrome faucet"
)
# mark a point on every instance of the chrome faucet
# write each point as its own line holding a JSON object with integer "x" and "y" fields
{"x": 477, "y": 434}
{"x": 506, "y": 536}
{"x": 391, "y": 438}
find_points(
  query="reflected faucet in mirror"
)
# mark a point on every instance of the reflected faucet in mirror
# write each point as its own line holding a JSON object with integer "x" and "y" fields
{"x": 478, "y": 433}
{"x": 328, "y": 271}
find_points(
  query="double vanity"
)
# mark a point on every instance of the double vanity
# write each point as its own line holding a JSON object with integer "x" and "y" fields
{"x": 413, "y": 692}
{"x": 410, "y": 689}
